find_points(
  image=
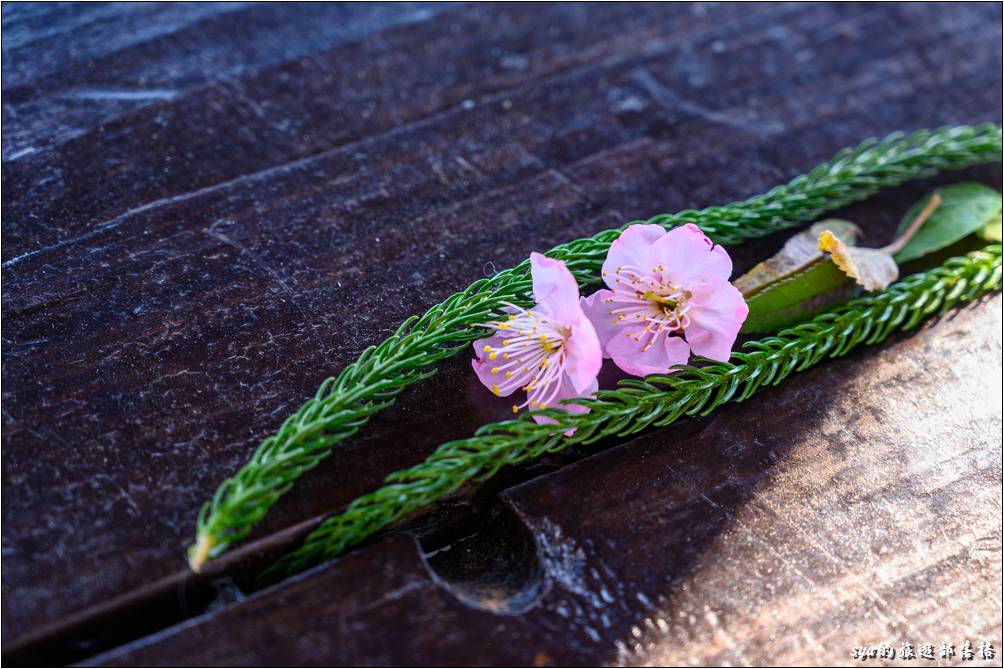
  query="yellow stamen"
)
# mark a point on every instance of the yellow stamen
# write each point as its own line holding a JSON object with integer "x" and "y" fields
{"x": 667, "y": 302}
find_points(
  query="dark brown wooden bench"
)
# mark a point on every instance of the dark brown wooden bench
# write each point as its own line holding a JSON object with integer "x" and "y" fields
{"x": 209, "y": 209}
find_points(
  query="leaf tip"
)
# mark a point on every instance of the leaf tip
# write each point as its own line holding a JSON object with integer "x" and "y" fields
{"x": 198, "y": 554}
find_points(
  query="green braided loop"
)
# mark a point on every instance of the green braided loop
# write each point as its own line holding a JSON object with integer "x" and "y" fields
{"x": 654, "y": 401}
{"x": 344, "y": 404}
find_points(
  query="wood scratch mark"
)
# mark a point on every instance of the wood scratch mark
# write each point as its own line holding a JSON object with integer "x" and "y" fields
{"x": 136, "y": 95}
{"x": 256, "y": 261}
{"x": 865, "y": 588}
{"x": 673, "y": 102}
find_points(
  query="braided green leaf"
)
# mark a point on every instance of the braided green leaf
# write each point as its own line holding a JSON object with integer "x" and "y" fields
{"x": 344, "y": 404}
{"x": 658, "y": 400}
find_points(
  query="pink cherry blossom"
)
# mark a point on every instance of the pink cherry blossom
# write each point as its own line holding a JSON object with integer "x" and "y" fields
{"x": 551, "y": 350}
{"x": 669, "y": 296}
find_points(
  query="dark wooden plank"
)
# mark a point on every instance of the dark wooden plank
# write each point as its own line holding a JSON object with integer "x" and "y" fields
{"x": 187, "y": 285}
{"x": 301, "y": 107}
{"x": 838, "y": 510}
{"x": 70, "y": 72}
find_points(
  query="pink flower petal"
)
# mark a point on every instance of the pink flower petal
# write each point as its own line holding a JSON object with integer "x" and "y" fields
{"x": 554, "y": 287}
{"x": 545, "y": 349}
{"x": 483, "y": 365}
{"x": 717, "y": 311}
{"x": 494, "y": 342}
{"x": 632, "y": 249}
{"x": 597, "y": 310}
{"x": 690, "y": 257}
{"x": 583, "y": 354}
{"x": 631, "y": 355}
{"x": 567, "y": 391}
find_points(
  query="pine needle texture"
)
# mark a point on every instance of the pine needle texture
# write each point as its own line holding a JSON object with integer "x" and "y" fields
{"x": 655, "y": 401}
{"x": 342, "y": 405}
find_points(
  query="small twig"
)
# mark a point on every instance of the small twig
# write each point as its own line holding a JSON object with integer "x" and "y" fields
{"x": 911, "y": 230}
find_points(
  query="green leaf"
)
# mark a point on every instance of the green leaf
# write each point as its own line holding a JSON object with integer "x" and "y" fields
{"x": 965, "y": 208}
{"x": 798, "y": 296}
{"x": 992, "y": 233}
{"x": 797, "y": 253}
{"x": 798, "y": 281}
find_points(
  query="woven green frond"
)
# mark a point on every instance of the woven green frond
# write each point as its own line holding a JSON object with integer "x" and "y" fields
{"x": 344, "y": 404}
{"x": 654, "y": 401}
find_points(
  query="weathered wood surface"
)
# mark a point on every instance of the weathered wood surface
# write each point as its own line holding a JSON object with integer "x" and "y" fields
{"x": 207, "y": 210}
{"x": 855, "y": 506}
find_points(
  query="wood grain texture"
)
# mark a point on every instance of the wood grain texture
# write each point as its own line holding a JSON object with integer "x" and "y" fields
{"x": 858, "y": 504}
{"x": 208, "y": 209}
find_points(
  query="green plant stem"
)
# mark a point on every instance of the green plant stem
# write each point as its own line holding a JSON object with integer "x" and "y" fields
{"x": 344, "y": 404}
{"x": 654, "y": 401}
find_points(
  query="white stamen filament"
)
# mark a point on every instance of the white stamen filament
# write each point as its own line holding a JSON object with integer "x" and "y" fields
{"x": 532, "y": 357}
{"x": 649, "y": 298}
